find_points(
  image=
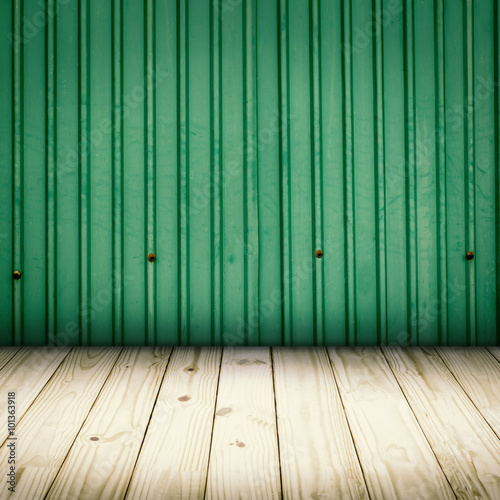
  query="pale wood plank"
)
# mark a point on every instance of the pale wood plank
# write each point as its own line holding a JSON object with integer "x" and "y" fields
{"x": 173, "y": 462}
{"x": 244, "y": 461}
{"x": 26, "y": 374}
{"x": 50, "y": 426}
{"x": 479, "y": 375}
{"x": 318, "y": 458}
{"x": 465, "y": 446}
{"x": 101, "y": 460}
{"x": 495, "y": 352}
{"x": 6, "y": 353}
{"x": 396, "y": 458}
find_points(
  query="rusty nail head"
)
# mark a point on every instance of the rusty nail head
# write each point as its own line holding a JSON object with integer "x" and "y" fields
{"x": 16, "y": 275}
{"x": 469, "y": 255}
{"x": 318, "y": 254}
{"x": 151, "y": 257}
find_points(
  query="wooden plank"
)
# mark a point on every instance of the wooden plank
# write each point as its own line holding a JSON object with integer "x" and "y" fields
{"x": 465, "y": 446}
{"x": 26, "y": 374}
{"x": 244, "y": 460}
{"x": 479, "y": 375}
{"x": 6, "y": 353}
{"x": 396, "y": 458}
{"x": 495, "y": 352}
{"x": 50, "y": 426}
{"x": 173, "y": 462}
{"x": 318, "y": 458}
{"x": 101, "y": 460}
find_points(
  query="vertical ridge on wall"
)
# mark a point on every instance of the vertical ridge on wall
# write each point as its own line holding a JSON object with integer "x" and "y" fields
{"x": 395, "y": 176}
{"x": 17, "y": 172}
{"x": 469, "y": 168}
{"x": 134, "y": 177}
{"x": 100, "y": 170}
{"x": 183, "y": 169}
{"x": 425, "y": 167}
{"x": 67, "y": 172}
{"x": 198, "y": 221}
{"x": 348, "y": 160}
{"x": 250, "y": 176}
{"x": 246, "y": 151}
{"x": 150, "y": 171}
{"x": 84, "y": 172}
{"x": 484, "y": 171}
{"x": 411, "y": 214}
{"x": 332, "y": 181}
{"x": 455, "y": 163}
{"x": 233, "y": 154}
{"x": 441, "y": 173}
{"x": 51, "y": 181}
{"x": 300, "y": 168}
{"x": 410, "y": 162}
{"x": 285, "y": 250}
{"x": 34, "y": 177}
{"x": 117, "y": 170}
{"x": 7, "y": 54}
{"x": 166, "y": 80}
{"x": 380, "y": 205}
{"x": 364, "y": 182}
{"x": 269, "y": 172}
{"x": 316, "y": 171}
{"x": 496, "y": 164}
{"x": 216, "y": 212}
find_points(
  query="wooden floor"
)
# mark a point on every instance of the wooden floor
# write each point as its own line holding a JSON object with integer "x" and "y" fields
{"x": 257, "y": 423}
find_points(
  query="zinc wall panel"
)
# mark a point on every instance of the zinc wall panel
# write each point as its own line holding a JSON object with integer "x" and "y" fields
{"x": 233, "y": 139}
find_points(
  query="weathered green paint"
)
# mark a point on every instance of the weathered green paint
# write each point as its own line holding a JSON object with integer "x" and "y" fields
{"x": 233, "y": 139}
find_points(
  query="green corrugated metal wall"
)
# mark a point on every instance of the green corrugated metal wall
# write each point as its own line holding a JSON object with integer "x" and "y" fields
{"x": 233, "y": 139}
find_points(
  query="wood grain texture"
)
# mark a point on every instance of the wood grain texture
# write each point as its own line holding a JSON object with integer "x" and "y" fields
{"x": 50, "y": 426}
{"x": 173, "y": 462}
{"x": 465, "y": 446}
{"x": 26, "y": 374}
{"x": 89, "y": 427}
{"x": 396, "y": 458}
{"x": 479, "y": 375}
{"x": 244, "y": 462}
{"x": 318, "y": 458}
{"x": 101, "y": 460}
{"x": 6, "y": 353}
{"x": 495, "y": 352}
